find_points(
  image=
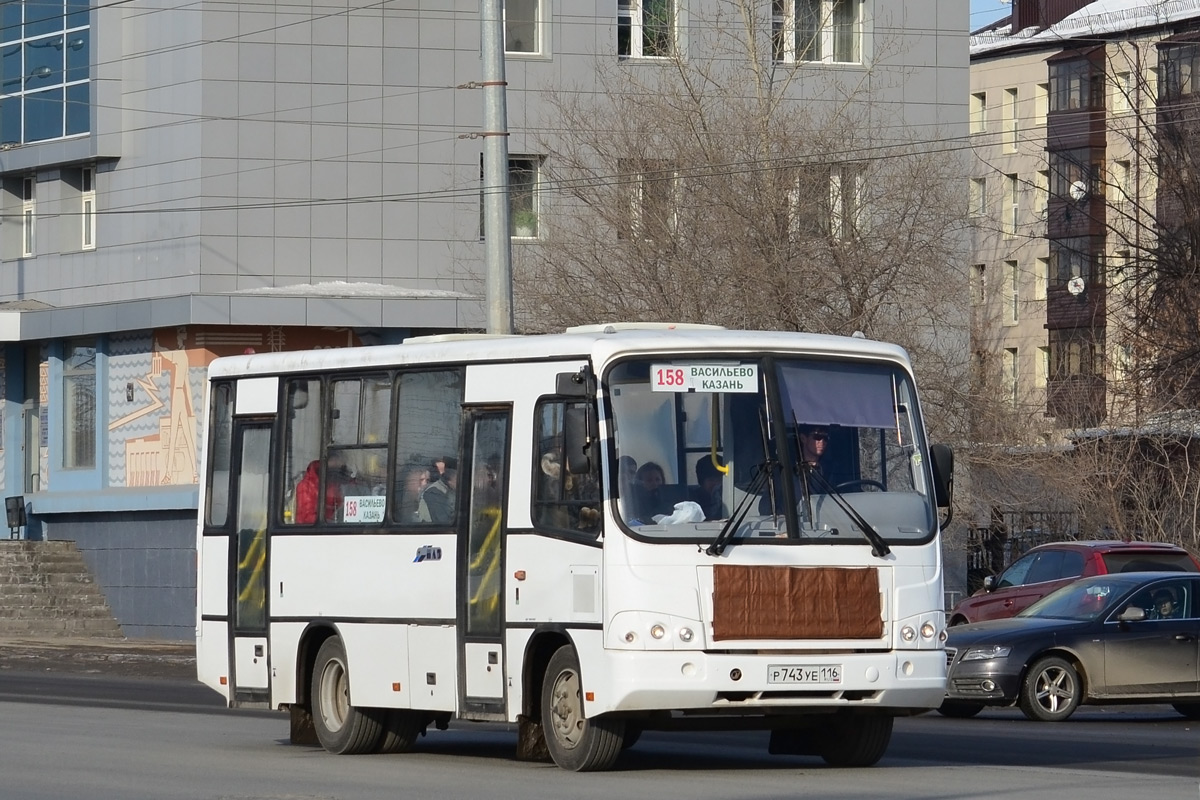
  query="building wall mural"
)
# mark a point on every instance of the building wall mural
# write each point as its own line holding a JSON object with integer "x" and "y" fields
{"x": 156, "y": 394}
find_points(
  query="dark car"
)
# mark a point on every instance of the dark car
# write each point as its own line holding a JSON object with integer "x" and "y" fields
{"x": 1049, "y": 566}
{"x": 1133, "y": 637}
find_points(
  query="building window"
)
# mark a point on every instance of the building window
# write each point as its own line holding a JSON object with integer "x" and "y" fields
{"x": 1041, "y": 275}
{"x": 1073, "y": 175}
{"x": 87, "y": 212}
{"x": 976, "y": 201}
{"x": 1122, "y": 93}
{"x": 845, "y": 200}
{"x": 649, "y": 189}
{"x": 1042, "y": 374}
{"x": 1073, "y": 258}
{"x": 522, "y": 22}
{"x": 827, "y": 201}
{"x": 79, "y": 405}
{"x": 1012, "y": 194}
{"x": 979, "y": 112}
{"x": 1118, "y": 182}
{"x": 817, "y": 30}
{"x": 524, "y": 208}
{"x": 1011, "y": 121}
{"x": 1076, "y": 352}
{"x": 28, "y": 216}
{"x": 1076, "y": 85}
{"x": 645, "y": 28}
{"x": 1041, "y": 103}
{"x": 1041, "y": 193}
{"x": 1013, "y": 274}
{"x": 978, "y": 284}
{"x": 45, "y": 51}
{"x": 1178, "y": 71}
{"x": 1009, "y": 376}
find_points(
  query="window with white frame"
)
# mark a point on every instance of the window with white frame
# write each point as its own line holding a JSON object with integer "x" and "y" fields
{"x": 1012, "y": 194}
{"x": 522, "y": 26}
{"x": 79, "y": 404}
{"x": 1041, "y": 103}
{"x": 845, "y": 200}
{"x": 1009, "y": 374}
{"x": 28, "y": 216}
{"x": 1011, "y": 121}
{"x": 1118, "y": 181}
{"x": 827, "y": 200}
{"x": 1042, "y": 375}
{"x": 87, "y": 208}
{"x": 524, "y": 208}
{"x": 1041, "y": 193}
{"x": 645, "y": 28}
{"x": 817, "y": 30}
{"x": 1013, "y": 274}
{"x": 1122, "y": 92}
{"x": 978, "y": 112}
{"x": 649, "y": 188}
{"x": 976, "y": 199}
{"x": 1041, "y": 277}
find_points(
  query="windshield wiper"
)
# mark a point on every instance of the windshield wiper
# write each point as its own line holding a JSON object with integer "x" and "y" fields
{"x": 879, "y": 548}
{"x": 735, "y": 519}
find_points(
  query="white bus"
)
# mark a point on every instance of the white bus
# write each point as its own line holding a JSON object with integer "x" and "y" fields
{"x": 619, "y": 528}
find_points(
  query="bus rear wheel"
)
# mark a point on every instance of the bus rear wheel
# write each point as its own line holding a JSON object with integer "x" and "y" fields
{"x": 341, "y": 728}
{"x": 575, "y": 742}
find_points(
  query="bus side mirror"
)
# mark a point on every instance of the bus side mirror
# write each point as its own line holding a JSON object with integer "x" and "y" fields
{"x": 578, "y": 424}
{"x": 943, "y": 474}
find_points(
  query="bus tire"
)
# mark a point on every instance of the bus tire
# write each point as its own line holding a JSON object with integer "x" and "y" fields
{"x": 401, "y": 727}
{"x": 341, "y": 728}
{"x": 856, "y": 741}
{"x": 575, "y": 742}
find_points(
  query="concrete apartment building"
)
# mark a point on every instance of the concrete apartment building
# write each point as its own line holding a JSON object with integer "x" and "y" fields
{"x": 1067, "y": 102}
{"x": 183, "y": 181}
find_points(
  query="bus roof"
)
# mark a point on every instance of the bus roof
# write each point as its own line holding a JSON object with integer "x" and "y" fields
{"x": 600, "y": 343}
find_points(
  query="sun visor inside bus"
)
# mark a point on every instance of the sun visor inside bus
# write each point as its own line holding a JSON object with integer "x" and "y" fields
{"x": 854, "y": 395}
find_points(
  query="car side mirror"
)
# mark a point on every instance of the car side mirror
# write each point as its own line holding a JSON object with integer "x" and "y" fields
{"x": 1132, "y": 614}
{"x": 989, "y": 583}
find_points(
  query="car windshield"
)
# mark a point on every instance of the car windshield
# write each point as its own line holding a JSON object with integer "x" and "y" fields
{"x": 1083, "y": 600}
{"x": 697, "y": 439}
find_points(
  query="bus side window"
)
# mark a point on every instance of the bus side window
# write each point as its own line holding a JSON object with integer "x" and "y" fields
{"x": 302, "y": 445}
{"x": 220, "y": 462}
{"x": 428, "y": 427}
{"x": 563, "y": 500}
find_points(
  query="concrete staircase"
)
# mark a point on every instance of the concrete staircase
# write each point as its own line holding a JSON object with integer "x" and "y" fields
{"x": 46, "y": 590}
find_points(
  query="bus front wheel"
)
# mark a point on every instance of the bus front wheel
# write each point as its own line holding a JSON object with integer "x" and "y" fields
{"x": 341, "y": 728}
{"x": 856, "y": 741}
{"x": 575, "y": 742}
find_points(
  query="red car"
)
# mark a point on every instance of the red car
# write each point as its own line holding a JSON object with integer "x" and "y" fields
{"x": 1047, "y": 567}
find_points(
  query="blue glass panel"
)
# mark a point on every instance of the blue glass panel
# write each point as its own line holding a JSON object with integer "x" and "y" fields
{"x": 77, "y": 13}
{"x": 44, "y": 16}
{"x": 10, "y": 120}
{"x": 10, "y": 20}
{"x": 79, "y": 48}
{"x": 44, "y": 115}
{"x": 43, "y": 62}
{"x": 10, "y": 68}
{"x": 79, "y": 108}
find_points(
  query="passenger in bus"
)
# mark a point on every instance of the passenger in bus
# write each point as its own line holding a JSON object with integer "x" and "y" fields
{"x": 414, "y": 478}
{"x": 707, "y": 492}
{"x": 308, "y": 490}
{"x": 649, "y": 493}
{"x": 437, "y": 501}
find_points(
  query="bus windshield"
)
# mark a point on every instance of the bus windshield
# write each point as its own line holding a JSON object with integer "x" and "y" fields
{"x": 801, "y": 448}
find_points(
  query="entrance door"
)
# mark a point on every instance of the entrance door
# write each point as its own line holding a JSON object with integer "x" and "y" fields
{"x": 248, "y": 604}
{"x": 481, "y": 585}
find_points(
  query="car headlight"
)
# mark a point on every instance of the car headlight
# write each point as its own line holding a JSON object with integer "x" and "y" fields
{"x": 986, "y": 653}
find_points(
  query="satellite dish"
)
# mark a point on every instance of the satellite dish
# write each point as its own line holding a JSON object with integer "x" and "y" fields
{"x": 1075, "y": 286}
{"x": 1078, "y": 190}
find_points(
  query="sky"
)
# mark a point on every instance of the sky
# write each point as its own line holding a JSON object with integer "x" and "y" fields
{"x": 985, "y": 11}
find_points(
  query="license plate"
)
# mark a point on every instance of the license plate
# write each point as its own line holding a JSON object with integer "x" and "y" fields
{"x": 816, "y": 673}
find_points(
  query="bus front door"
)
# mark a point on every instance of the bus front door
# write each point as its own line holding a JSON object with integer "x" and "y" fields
{"x": 248, "y": 603}
{"x": 481, "y": 532}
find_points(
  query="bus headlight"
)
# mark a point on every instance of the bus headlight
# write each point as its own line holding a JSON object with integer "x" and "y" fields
{"x": 657, "y": 631}
{"x": 685, "y": 634}
{"x": 928, "y": 630}
{"x": 908, "y": 633}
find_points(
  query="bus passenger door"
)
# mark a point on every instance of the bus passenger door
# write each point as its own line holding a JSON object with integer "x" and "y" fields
{"x": 248, "y": 603}
{"x": 481, "y": 532}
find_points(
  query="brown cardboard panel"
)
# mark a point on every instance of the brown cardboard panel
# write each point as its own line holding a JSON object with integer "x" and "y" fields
{"x": 795, "y": 603}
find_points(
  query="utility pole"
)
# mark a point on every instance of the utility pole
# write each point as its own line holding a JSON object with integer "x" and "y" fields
{"x": 497, "y": 244}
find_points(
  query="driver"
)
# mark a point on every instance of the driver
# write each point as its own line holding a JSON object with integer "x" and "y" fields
{"x": 813, "y": 441}
{"x": 1166, "y": 606}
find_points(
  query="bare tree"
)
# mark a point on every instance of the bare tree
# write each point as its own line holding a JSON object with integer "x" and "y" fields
{"x": 729, "y": 186}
